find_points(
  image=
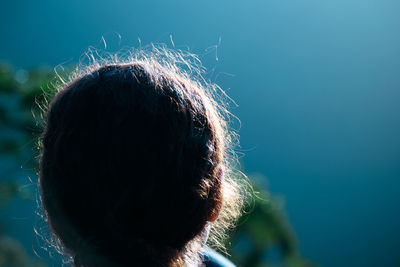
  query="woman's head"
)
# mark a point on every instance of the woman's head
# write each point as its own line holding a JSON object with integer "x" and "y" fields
{"x": 134, "y": 164}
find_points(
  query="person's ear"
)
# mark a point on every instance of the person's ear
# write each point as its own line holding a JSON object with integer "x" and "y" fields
{"x": 216, "y": 199}
{"x": 216, "y": 209}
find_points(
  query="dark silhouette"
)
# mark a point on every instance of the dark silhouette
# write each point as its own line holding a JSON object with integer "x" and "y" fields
{"x": 133, "y": 170}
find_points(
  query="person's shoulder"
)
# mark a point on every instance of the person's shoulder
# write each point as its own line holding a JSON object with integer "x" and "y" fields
{"x": 214, "y": 259}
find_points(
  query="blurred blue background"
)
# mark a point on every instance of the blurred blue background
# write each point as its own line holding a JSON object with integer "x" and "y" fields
{"x": 317, "y": 85}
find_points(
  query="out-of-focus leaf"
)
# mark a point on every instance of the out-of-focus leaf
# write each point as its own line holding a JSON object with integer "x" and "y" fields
{"x": 7, "y": 81}
{"x": 8, "y": 190}
{"x": 13, "y": 254}
{"x": 267, "y": 228}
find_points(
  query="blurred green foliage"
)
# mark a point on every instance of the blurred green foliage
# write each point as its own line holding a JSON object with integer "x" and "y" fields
{"x": 263, "y": 236}
{"x": 18, "y": 130}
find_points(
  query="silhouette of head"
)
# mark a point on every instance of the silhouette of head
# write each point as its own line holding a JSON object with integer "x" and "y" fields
{"x": 133, "y": 166}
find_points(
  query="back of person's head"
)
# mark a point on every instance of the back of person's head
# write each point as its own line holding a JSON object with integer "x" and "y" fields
{"x": 134, "y": 166}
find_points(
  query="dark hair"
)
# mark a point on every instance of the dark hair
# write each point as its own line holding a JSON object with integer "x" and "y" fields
{"x": 133, "y": 166}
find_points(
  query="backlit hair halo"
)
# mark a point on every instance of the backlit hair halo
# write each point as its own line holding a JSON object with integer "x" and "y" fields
{"x": 176, "y": 78}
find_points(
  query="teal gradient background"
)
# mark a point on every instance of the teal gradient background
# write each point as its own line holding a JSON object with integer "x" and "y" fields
{"x": 317, "y": 85}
